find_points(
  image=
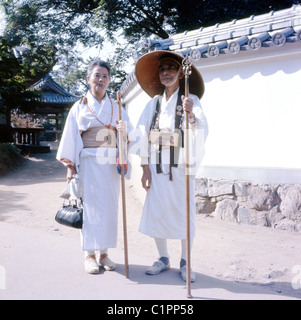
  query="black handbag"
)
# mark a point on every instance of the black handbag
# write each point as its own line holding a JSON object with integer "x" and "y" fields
{"x": 70, "y": 215}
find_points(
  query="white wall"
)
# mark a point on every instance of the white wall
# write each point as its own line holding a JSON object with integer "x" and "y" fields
{"x": 135, "y": 106}
{"x": 254, "y": 112}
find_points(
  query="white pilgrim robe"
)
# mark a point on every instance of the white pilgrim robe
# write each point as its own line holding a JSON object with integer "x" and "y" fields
{"x": 164, "y": 211}
{"x": 97, "y": 171}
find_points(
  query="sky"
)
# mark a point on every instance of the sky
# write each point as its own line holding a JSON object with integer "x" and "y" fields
{"x": 108, "y": 50}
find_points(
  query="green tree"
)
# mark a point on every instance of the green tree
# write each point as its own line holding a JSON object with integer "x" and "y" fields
{"x": 17, "y": 74}
{"x": 49, "y": 30}
{"x": 196, "y": 14}
{"x": 58, "y": 23}
{"x": 137, "y": 18}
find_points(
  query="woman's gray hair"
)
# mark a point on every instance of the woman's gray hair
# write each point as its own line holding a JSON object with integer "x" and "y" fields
{"x": 98, "y": 63}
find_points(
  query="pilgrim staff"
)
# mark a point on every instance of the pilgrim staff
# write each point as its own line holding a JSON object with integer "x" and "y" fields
{"x": 186, "y": 63}
{"x": 122, "y": 162}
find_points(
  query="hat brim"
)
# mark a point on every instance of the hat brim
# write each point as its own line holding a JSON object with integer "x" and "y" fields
{"x": 147, "y": 74}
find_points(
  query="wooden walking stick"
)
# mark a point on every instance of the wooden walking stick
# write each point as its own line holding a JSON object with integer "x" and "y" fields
{"x": 187, "y": 71}
{"x": 122, "y": 163}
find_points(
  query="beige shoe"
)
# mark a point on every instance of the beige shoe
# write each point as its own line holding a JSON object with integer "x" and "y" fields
{"x": 107, "y": 264}
{"x": 91, "y": 265}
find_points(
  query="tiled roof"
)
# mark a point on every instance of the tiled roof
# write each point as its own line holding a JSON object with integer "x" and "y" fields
{"x": 53, "y": 92}
{"x": 271, "y": 29}
{"x": 275, "y": 28}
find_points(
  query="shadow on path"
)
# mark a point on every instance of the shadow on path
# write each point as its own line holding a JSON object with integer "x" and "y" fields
{"x": 172, "y": 277}
{"x": 35, "y": 169}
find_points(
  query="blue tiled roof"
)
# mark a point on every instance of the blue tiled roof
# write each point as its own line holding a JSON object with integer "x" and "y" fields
{"x": 254, "y": 33}
{"x": 53, "y": 92}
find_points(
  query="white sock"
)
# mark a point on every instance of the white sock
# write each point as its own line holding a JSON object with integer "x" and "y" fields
{"x": 162, "y": 247}
{"x": 184, "y": 249}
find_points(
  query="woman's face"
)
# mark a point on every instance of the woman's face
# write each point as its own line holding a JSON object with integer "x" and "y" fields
{"x": 168, "y": 73}
{"x": 99, "y": 80}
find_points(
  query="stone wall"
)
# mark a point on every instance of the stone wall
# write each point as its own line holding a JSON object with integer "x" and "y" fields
{"x": 271, "y": 205}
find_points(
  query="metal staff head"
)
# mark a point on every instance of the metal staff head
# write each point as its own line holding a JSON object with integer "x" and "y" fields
{"x": 186, "y": 65}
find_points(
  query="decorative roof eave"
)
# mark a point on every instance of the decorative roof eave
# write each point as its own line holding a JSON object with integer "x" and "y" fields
{"x": 272, "y": 30}
{"x": 56, "y": 99}
{"x": 53, "y": 93}
{"x": 243, "y": 43}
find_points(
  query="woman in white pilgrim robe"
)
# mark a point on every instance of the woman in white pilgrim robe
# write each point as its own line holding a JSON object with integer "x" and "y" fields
{"x": 88, "y": 148}
{"x": 164, "y": 214}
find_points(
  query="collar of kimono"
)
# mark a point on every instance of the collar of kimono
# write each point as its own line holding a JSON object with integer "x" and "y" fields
{"x": 107, "y": 126}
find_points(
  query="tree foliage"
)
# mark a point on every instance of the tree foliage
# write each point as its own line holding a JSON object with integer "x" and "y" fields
{"x": 60, "y": 24}
{"x": 197, "y": 13}
{"x": 137, "y": 18}
{"x": 48, "y": 31}
{"x": 18, "y": 73}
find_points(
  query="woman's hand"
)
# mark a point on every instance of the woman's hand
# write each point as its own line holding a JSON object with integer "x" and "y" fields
{"x": 121, "y": 127}
{"x": 70, "y": 172}
{"x": 146, "y": 177}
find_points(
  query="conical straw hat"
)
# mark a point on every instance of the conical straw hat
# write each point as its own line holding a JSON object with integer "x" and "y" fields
{"x": 147, "y": 74}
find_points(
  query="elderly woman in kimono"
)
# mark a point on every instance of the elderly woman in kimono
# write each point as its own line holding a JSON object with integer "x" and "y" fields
{"x": 88, "y": 148}
{"x": 163, "y": 158}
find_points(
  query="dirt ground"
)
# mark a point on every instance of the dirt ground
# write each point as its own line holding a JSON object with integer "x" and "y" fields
{"x": 271, "y": 259}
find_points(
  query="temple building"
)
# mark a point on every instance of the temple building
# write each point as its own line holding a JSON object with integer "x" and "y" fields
{"x": 55, "y": 104}
{"x": 55, "y": 101}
